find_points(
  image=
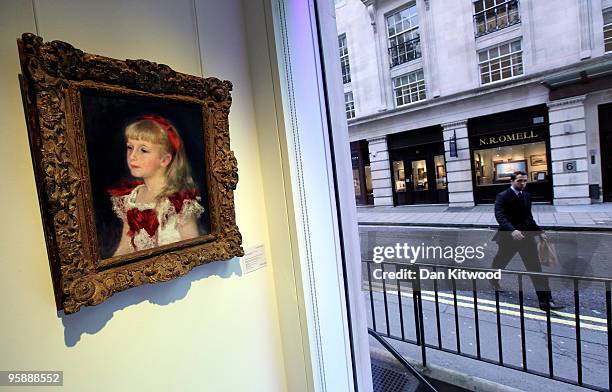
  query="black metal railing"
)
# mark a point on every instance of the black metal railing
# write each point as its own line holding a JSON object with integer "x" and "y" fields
{"x": 400, "y": 358}
{"x": 413, "y": 287}
{"x": 405, "y": 52}
{"x": 497, "y": 18}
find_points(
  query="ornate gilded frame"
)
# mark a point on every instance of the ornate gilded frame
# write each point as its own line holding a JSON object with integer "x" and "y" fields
{"x": 53, "y": 75}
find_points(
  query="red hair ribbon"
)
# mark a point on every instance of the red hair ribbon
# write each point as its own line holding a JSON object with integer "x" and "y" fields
{"x": 168, "y": 128}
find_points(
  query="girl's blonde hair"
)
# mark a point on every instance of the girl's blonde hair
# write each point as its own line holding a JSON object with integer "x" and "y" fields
{"x": 178, "y": 172}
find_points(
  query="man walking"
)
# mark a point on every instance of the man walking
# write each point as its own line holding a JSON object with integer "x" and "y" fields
{"x": 516, "y": 233}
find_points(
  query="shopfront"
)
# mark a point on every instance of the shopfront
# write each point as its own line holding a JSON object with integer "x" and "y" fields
{"x": 362, "y": 173}
{"x": 418, "y": 168}
{"x": 503, "y": 143}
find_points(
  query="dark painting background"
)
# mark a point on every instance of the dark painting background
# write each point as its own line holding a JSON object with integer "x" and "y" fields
{"x": 105, "y": 116}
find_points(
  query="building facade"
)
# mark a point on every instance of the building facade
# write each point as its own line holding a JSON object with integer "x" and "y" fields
{"x": 449, "y": 98}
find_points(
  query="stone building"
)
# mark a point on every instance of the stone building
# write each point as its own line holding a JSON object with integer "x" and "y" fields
{"x": 446, "y": 98}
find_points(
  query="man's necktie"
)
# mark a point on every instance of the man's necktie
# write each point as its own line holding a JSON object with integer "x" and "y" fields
{"x": 521, "y": 197}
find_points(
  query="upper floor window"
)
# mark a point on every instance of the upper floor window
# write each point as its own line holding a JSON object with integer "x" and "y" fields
{"x": 404, "y": 39}
{"x": 349, "y": 104}
{"x": 344, "y": 60}
{"x": 500, "y": 62}
{"x": 493, "y": 15}
{"x": 409, "y": 88}
{"x": 607, "y": 30}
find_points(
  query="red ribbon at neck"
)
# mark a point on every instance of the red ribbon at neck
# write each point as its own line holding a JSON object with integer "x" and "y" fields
{"x": 145, "y": 219}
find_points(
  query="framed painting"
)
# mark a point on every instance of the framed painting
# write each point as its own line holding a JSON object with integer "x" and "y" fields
{"x": 503, "y": 170}
{"x": 537, "y": 160}
{"x": 133, "y": 167}
{"x": 539, "y": 176}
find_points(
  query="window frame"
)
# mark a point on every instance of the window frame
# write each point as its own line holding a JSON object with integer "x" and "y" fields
{"x": 484, "y": 11}
{"x": 394, "y": 60}
{"x": 609, "y": 28}
{"x": 345, "y": 64}
{"x": 417, "y": 83}
{"x": 349, "y": 105}
{"x": 499, "y": 58}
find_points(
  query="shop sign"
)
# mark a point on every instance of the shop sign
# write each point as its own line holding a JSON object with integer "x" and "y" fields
{"x": 509, "y": 137}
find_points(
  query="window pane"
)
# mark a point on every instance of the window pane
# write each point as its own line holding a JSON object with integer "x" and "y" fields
{"x": 440, "y": 172}
{"x": 506, "y": 73}
{"x": 399, "y": 177}
{"x": 356, "y": 183}
{"x": 518, "y": 69}
{"x": 504, "y": 49}
{"x": 607, "y": 16}
{"x": 419, "y": 175}
{"x": 368, "y": 179}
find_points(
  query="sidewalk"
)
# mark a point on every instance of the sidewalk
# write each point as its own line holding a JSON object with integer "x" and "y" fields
{"x": 549, "y": 217}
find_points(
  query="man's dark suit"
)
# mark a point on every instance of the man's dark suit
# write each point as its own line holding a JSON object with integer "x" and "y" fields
{"x": 514, "y": 213}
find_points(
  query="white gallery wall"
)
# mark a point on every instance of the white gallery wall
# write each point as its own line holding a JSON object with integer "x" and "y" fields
{"x": 214, "y": 329}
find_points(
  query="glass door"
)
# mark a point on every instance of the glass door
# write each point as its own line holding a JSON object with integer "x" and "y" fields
{"x": 412, "y": 181}
{"x": 440, "y": 177}
{"x": 401, "y": 183}
{"x": 420, "y": 181}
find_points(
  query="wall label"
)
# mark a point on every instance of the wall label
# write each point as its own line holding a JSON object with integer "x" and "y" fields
{"x": 254, "y": 258}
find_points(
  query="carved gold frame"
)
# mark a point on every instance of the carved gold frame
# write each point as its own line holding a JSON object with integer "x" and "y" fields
{"x": 53, "y": 76}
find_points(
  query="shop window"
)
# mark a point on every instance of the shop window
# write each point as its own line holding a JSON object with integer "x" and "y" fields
{"x": 399, "y": 176}
{"x": 494, "y": 165}
{"x": 500, "y": 62}
{"x": 409, "y": 88}
{"x": 440, "y": 172}
{"x": 368, "y": 180}
{"x": 493, "y": 15}
{"x": 403, "y": 33}
{"x": 356, "y": 183}
{"x": 607, "y": 30}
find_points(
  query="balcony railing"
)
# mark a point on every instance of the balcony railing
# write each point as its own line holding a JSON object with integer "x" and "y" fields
{"x": 412, "y": 315}
{"x": 405, "y": 52}
{"x": 497, "y": 18}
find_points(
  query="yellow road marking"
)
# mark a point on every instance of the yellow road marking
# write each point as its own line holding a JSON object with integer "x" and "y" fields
{"x": 516, "y": 306}
{"x": 527, "y": 315}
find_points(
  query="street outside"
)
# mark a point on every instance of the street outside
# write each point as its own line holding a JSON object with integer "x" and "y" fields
{"x": 581, "y": 253}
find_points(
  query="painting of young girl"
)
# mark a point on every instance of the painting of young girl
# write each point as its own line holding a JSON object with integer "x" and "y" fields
{"x": 162, "y": 206}
{"x": 147, "y": 172}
